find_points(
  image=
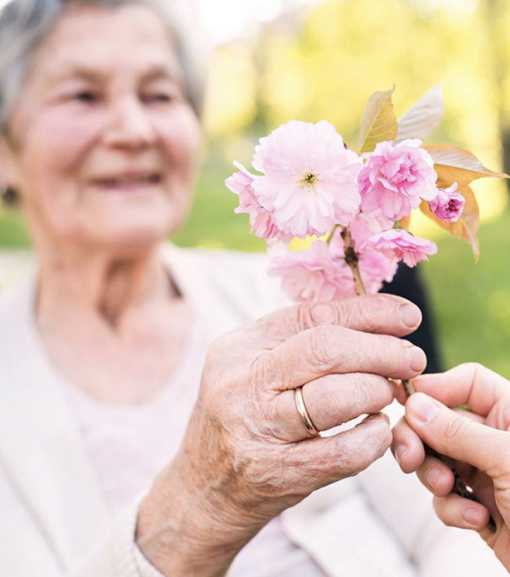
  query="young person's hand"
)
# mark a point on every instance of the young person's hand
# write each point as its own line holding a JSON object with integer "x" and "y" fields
{"x": 478, "y": 439}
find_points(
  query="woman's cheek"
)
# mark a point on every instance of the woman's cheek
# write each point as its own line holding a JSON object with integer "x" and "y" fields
{"x": 61, "y": 138}
{"x": 182, "y": 139}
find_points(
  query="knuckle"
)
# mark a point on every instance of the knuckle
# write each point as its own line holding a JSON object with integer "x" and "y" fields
{"x": 266, "y": 371}
{"x": 363, "y": 397}
{"x": 317, "y": 314}
{"x": 276, "y": 327}
{"x": 454, "y": 428}
{"x": 324, "y": 348}
{"x": 357, "y": 313}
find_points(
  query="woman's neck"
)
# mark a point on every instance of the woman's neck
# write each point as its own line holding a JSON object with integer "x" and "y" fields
{"x": 108, "y": 286}
{"x": 115, "y": 327}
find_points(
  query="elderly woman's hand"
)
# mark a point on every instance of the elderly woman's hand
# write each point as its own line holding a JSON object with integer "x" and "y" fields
{"x": 479, "y": 440}
{"x": 247, "y": 454}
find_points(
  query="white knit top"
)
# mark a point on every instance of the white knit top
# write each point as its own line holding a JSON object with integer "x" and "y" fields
{"x": 117, "y": 437}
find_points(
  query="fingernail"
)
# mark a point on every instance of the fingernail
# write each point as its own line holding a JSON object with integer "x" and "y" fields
{"x": 423, "y": 407}
{"x": 417, "y": 359}
{"x": 410, "y": 315}
{"x": 473, "y": 517}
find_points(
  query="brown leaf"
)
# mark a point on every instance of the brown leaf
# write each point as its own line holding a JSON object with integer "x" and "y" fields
{"x": 405, "y": 222}
{"x": 467, "y": 226}
{"x": 379, "y": 122}
{"x": 454, "y": 164}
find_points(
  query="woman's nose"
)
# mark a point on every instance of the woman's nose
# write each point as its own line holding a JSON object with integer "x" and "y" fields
{"x": 130, "y": 125}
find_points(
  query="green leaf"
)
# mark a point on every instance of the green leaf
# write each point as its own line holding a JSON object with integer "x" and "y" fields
{"x": 379, "y": 122}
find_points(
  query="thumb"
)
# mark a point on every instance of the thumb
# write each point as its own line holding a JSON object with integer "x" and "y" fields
{"x": 455, "y": 436}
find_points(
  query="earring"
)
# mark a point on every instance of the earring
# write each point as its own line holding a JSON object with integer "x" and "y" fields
{"x": 9, "y": 196}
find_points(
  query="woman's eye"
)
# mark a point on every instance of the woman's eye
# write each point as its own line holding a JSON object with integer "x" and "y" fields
{"x": 159, "y": 97}
{"x": 86, "y": 96}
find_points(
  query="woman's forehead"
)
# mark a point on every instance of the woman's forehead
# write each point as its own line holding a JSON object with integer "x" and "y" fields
{"x": 93, "y": 40}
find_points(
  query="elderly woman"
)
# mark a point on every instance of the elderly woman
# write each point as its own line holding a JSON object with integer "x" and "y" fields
{"x": 135, "y": 439}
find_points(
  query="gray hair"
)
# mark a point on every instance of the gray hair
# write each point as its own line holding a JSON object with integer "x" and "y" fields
{"x": 24, "y": 24}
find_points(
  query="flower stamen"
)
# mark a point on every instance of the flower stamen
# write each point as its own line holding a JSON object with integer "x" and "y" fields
{"x": 309, "y": 179}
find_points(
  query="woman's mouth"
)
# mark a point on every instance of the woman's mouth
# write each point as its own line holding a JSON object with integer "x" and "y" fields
{"x": 129, "y": 182}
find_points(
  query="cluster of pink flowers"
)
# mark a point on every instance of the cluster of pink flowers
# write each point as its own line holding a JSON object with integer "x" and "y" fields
{"x": 309, "y": 184}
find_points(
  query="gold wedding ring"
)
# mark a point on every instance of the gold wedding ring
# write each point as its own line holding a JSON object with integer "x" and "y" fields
{"x": 303, "y": 413}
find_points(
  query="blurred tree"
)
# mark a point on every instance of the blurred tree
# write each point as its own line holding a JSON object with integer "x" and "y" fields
{"x": 497, "y": 19}
{"x": 327, "y": 64}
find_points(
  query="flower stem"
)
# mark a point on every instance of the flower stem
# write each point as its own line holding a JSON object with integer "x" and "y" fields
{"x": 352, "y": 260}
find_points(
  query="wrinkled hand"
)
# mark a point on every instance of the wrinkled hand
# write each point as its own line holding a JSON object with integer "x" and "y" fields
{"x": 479, "y": 439}
{"x": 247, "y": 455}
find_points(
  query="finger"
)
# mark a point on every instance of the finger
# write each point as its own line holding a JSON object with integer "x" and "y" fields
{"x": 330, "y": 349}
{"x": 468, "y": 384}
{"x": 330, "y": 401}
{"x": 321, "y": 461}
{"x": 407, "y": 447}
{"x": 455, "y": 511}
{"x": 383, "y": 314}
{"x": 436, "y": 476}
{"x": 400, "y": 392}
{"x": 460, "y": 438}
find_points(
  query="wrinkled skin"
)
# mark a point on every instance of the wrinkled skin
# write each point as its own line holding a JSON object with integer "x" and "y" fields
{"x": 247, "y": 456}
{"x": 478, "y": 439}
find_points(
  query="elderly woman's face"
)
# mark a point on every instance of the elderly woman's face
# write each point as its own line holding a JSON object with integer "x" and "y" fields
{"x": 105, "y": 141}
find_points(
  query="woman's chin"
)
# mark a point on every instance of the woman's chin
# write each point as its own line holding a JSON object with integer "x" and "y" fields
{"x": 129, "y": 237}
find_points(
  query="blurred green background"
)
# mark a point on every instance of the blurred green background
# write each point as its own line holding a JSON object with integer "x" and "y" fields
{"x": 323, "y": 63}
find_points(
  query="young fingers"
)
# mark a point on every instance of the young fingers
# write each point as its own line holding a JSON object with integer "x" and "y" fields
{"x": 455, "y": 511}
{"x": 458, "y": 437}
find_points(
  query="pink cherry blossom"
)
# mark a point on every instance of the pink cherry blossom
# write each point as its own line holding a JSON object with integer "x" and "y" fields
{"x": 396, "y": 178}
{"x": 376, "y": 268}
{"x": 261, "y": 221}
{"x": 448, "y": 204}
{"x": 313, "y": 275}
{"x": 309, "y": 179}
{"x": 401, "y": 245}
{"x": 366, "y": 225}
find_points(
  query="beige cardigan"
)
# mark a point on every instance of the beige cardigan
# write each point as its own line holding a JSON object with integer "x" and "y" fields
{"x": 55, "y": 522}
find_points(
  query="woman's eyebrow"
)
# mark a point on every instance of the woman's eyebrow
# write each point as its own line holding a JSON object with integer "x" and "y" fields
{"x": 95, "y": 74}
{"x": 162, "y": 72}
{"x": 79, "y": 71}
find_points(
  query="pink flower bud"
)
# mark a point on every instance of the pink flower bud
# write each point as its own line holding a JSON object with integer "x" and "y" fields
{"x": 448, "y": 204}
